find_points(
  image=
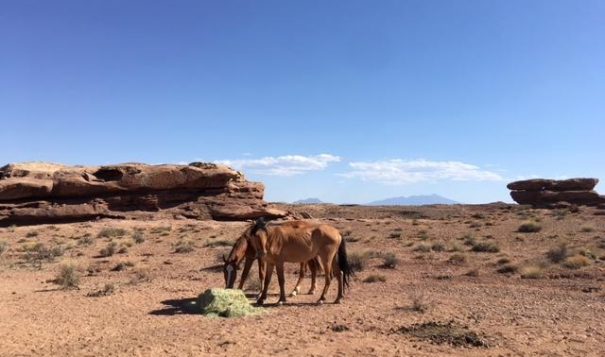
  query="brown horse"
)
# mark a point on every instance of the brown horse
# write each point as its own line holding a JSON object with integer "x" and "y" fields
{"x": 243, "y": 251}
{"x": 300, "y": 241}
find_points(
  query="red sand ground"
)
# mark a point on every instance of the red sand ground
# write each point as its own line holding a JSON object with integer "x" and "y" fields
{"x": 559, "y": 313}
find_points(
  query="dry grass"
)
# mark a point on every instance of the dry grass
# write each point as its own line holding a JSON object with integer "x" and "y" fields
{"x": 184, "y": 246}
{"x": 109, "y": 250}
{"x": 558, "y": 254}
{"x": 457, "y": 259}
{"x": 485, "y": 247}
{"x": 110, "y": 232}
{"x": 375, "y": 278}
{"x": 576, "y": 262}
{"x": 358, "y": 260}
{"x": 532, "y": 272}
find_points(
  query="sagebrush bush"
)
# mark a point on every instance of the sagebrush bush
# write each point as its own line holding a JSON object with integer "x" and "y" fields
{"x": 68, "y": 277}
{"x": 358, "y": 260}
{"x": 529, "y": 227}
{"x": 109, "y": 250}
{"x": 485, "y": 247}
{"x": 457, "y": 259}
{"x": 390, "y": 261}
{"x": 558, "y": 254}
{"x": 110, "y": 232}
{"x": 184, "y": 246}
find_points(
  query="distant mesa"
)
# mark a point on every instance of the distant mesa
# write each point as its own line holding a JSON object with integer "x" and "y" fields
{"x": 308, "y": 201}
{"x": 35, "y": 193}
{"x": 556, "y": 193}
{"x": 418, "y": 200}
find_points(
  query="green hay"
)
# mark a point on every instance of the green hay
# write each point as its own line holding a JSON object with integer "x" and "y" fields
{"x": 226, "y": 303}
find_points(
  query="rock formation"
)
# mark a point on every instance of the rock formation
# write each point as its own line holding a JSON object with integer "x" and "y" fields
{"x": 33, "y": 193}
{"x": 552, "y": 193}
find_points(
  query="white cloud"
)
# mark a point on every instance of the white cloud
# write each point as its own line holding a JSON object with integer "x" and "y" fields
{"x": 287, "y": 165}
{"x": 401, "y": 172}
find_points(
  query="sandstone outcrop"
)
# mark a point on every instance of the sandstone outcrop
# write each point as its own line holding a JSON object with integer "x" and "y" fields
{"x": 34, "y": 193}
{"x": 551, "y": 193}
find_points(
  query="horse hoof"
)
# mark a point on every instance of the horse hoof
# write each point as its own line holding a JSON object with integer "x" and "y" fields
{"x": 320, "y": 302}
{"x": 294, "y": 293}
{"x": 311, "y": 292}
{"x": 338, "y": 301}
{"x": 280, "y": 302}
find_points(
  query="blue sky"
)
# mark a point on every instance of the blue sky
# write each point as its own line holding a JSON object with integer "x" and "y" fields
{"x": 348, "y": 101}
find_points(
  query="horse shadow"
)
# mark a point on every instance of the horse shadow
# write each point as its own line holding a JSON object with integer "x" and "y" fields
{"x": 177, "y": 307}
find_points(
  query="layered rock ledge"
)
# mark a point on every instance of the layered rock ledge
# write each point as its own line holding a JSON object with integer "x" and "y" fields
{"x": 34, "y": 193}
{"x": 553, "y": 193}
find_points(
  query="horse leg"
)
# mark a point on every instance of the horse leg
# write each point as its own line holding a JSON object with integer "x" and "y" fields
{"x": 268, "y": 274}
{"x": 339, "y": 275}
{"x": 247, "y": 265}
{"x": 301, "y": 275}
{"x": 282, "y": 282}
{"x": 261, "y": 274}
{"x": 314, "y": 267}
{"x": 327, "y": 263}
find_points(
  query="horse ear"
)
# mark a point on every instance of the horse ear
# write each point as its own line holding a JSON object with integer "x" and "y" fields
{"x": 259, "y": 224}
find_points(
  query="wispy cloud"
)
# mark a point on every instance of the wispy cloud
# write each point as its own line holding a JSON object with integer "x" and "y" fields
{"x": 287, "y": 165}
{"x": 401, "y": 172}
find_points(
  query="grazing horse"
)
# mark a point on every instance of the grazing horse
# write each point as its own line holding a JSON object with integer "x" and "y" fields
{"x": 300, "y": 241}
{"x": 243, "y": 251}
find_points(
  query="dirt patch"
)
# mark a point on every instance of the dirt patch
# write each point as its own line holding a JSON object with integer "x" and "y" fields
{"x": 445, "y": 333}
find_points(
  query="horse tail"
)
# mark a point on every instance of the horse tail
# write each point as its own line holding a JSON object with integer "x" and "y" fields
{"x": 343, "y": 264}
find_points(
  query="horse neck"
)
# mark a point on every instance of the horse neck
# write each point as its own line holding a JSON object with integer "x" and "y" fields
{"x": 238, "y": 251}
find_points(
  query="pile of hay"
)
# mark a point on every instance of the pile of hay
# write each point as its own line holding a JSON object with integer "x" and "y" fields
{"x": 225, "y": 303}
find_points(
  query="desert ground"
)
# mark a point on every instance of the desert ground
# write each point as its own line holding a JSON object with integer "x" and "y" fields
{"x": 472, "y": 280}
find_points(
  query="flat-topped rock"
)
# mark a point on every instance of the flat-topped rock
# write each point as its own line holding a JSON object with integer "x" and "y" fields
{"x": 199, "y": 190}
{"x": 573, "y": 184}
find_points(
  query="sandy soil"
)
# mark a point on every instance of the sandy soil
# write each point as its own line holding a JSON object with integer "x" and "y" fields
{"x": 516, "y": 301}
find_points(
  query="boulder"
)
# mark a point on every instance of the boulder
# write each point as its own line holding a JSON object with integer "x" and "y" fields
{"x": 226, "y": 303}
{"x": 199, "y": 190}
{"x": 574, "y": 184}
{"x": 547, "y": 197}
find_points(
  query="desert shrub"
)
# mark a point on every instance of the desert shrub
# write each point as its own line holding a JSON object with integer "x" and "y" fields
{"x": 39, "y": 252}
{"x": 218, "y": 243}
{"x": 31, "y": 234}
{"x": 485, "y": 247}
{"x": 395, "y": 235}
{"x": 85, "y": 240}
{"x": 184, "y": 246}
{"x": 438, "y": 247}
{"x": 457, "y": 259}
{"x": 141, "y": 276}
{"x": 138, "y": 237}
{"x": 587, "y": 229}
{"x": 162, "y": 230}
{"x": 122, "y": 266}
{"x": 419, "y": 302}
{"x": 375, "y": 278}
{"x": 532, "y": 272}
{"x": 3, "y": 247}
{"x": 507, "y": 269}
{"x": 423, "y": 235}
{"x": 576, "y": 262}
{"x": 67, "y": 277}
{"x": 106, "y": 290}
{"x": 122, "y": 248}
{"x": 415, "y": 222}
{"x": 422, "y": 248}
{"x": 558, "y": 254}
{"x": 109, "y": 250}
{"x": 358, "y": 260}
{"x": 478, "y": 216}
{"x": 456, "y": 248}
{"x": 110, "y": 232}
{"x": 469, "y": 240}
{"x": 588, "y": 254}
{"x": 472, "y": 272}
{"x": 529, "y": 227}
{"x": 474, "y": 225}
{"x": 390, "y": 261}
{"x": 503, "y": 261}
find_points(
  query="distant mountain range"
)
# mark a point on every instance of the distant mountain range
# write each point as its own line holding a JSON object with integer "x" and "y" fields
{"x": 308, "y": 201}
{"x": 394, "y": 201}
{"x": 414, "y": 201}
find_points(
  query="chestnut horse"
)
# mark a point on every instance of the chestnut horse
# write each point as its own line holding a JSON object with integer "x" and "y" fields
{"x": 243, "y": 251}
{"x": 300, "y": 241}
